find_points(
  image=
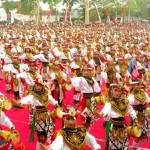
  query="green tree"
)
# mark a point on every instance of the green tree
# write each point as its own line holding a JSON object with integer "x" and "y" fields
{"x": 52, "y": 2}
{"x": 9, "y": 6}
{"x": 28, "y": 6}
{"x": 143, "y": 8}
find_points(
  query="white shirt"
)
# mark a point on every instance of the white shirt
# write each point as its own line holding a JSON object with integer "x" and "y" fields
{"x": 7, "y": 59}
{"x": 82, "y": 85}
{"x": 30, "y": 99}
{"x": 102, "y": 76}
{"x": 29, "y": 80}
{"x": 41, "y": 57}
{"x": 10, "y": 67}
{"x": 132, "y": 100}
{"x": 108, "y": 112}
{"x": 24, "y": 75}
{"x": 2, "y": 54}
{"x": 73, "y": 51}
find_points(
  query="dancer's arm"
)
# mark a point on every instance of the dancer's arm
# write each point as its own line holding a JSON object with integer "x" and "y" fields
{"x": 4, "y": 120}
{"x": 90, "y": 139}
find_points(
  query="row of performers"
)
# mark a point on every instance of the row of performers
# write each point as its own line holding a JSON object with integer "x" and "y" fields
{"x": 87, "y": 94}
{"x": 117, "y": 104}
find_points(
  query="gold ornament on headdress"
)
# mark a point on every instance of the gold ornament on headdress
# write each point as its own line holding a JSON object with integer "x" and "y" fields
{"x": 120, "y": 105}
{"x": 140, "y": 95}
{"x": 123, "y": 67}
{"x": 41, "y": 96}
{"x": 29, "y": 56}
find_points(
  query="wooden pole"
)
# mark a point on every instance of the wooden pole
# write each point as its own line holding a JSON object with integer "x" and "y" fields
{"x": 87, "y": 17}
{"x": 99, "y": 17}
{"x": 38, "y": 12}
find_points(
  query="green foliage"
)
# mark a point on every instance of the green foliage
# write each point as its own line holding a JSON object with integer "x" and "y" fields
{"x": 144, "y": 8}
{"x": 52, "y": 2}
{"x": 28, "y": 6}
{"x": 134, "y": 8}
{"x": 9, "y": 5}
{"x": 138, "y": 8}
{"x": 93, "y": 15}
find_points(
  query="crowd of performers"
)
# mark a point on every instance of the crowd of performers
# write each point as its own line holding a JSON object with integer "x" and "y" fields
{"x": 105, "y": 67}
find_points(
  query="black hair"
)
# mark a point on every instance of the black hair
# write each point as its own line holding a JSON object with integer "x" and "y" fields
{"x": 41, "y": 133}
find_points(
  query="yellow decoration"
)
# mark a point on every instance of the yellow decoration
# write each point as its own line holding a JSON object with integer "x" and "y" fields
{"x": 72, "y": 112}
{"x": 5, "y": 103}
{"x": 29, "y": 56}
{"x": 42, "y": 97}
{"x": 68, "y": 86}
{"x": 134, "y": 131}
{"x": 10, "y": 136}
{"x": 148, "y": 111}
{"x": 58, "y": 112}
{"x": 140, "y": 96}
{"x": 100, "y": 99}
{"x": 120, "y": 105}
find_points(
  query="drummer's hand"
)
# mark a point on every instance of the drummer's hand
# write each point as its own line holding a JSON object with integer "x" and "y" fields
{"x": 56, "y": 105}
{"x": 26, "y": 106}
{"x": 43, "y": 147}
{"x": 17, "y": 103}
{"x": 13, "y": 130}
{"x": 99, "y": 114}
